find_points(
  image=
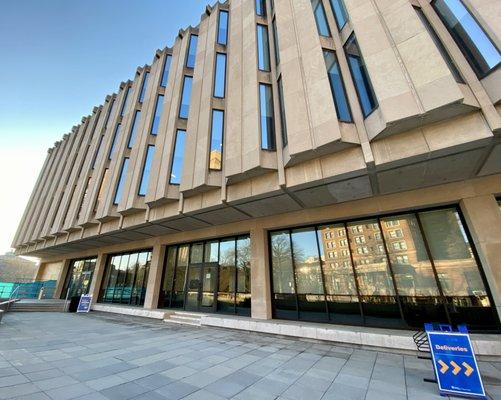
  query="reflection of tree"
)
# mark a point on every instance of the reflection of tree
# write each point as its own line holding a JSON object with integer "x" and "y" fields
{"x": 282, "y": 264}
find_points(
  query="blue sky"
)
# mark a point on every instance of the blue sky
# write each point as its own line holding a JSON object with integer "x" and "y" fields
{"x": 59, "y": 59}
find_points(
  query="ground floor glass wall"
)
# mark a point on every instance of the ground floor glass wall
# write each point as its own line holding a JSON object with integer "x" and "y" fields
{"x": 208, "y": 276}
{"x": 394, "y": 271}
{"x": 125, "y": 278}
{"x": 79, "y": 277}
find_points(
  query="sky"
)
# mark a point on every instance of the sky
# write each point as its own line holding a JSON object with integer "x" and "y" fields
{"x": 59, "y": 59}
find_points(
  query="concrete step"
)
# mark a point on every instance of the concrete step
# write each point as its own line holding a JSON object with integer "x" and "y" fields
{"x": 37, "y": 306}
{"x": 174, "y": 321}
{"x": 184, "y": 318}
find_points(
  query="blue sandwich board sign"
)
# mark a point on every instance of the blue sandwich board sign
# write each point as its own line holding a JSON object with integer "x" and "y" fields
{"x": 454, "y": 362}
{"x": 85, "y": 303}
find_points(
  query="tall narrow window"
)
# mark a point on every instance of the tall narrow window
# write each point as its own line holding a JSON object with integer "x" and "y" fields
{"x": 340, "y": 13}
{"x": 143, "y": 187}
{"x": 275, "y": 41}
{"x": 144, "y": 86}
{"x": 116, "y": 137}
{"x": 192, "y": 52}
{"x": 158, "y": 114}
{"x": 102, "y": 188}
{"x": 184, "y": 108}
{"x": 263, "y": 48}
{"x": 111, "y": 111}
{"x": 125, "y": 104}
{"x": 98, "y": 152}
{"x": 282, "y": 112}
{"x": 337, "y": 87}
{"x": 121, "y": 181}
{"x": 220, "y": 75}
{"x": 320, "y": 18}
{"x": 261, "y": 8}
{"x": 366, "y": 95}
{"x": 86, "y": 192}
{"x": 176, "y": 171}
{"x": 477, "y": 47}
{"x": 440, "y": 46}
{"x": 166, "y": 70}
{"x": 216, "y": 141}
{"x": 222, "y": 30}
{"x": 133, "y": 131}
{"x": 267, "y": 119}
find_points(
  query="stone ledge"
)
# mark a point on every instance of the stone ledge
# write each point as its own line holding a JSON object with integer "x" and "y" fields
{"x": 135, "y": 311}
{"x": 392, "y": 339}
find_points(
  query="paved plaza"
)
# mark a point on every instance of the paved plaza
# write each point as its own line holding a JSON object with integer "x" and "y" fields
{"x": 105, "y": 356}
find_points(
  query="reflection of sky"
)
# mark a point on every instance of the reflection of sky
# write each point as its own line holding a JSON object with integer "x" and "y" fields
{"x": 477, "y": 35}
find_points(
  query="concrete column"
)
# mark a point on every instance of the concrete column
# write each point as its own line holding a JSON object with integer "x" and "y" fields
{"x": 61, "y": 278}
{"x": 483, "y": 217}
{"x": 97, "y": 277}
{"x": 155, "y": 277}
{"x": 260, "y": 274}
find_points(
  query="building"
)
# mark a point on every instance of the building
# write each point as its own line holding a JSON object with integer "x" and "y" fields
{"x": 315, "y": 160}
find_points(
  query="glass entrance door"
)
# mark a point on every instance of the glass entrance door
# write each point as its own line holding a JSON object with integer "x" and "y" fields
{"x": 201, "y": 286}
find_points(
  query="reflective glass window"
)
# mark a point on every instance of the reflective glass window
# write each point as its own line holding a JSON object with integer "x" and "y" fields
{"x": 114, "y": 142}
{"x": 98, "y": 152}
{"x": 121, "y": 181}
{"x": 263, "y": 48}
{"x": 133, "y": 131}
{"x": 192, "y": 52}
{"x": 320, "y": 18}
{"x": 337, "y": 87}
{"x": 267, "y": 117}
{"x": 177, "y": 158}
{"x": 144, "y": 86}
{"x": 125, "y": 104}
{"x": 79, "y": 278}
{"x": 222, "y": 31}
{"x": 166, "y": 70}
{"x": 275, "y": 41}
{"x": 143, "y": 187}
{"x": 283, "y": 118}
{"x": 111, "y": 113}
{"x": 216, "y": 146}
{"x": 281, "y": 254}
{"x": 366, "y": 95}
{"x": 184, "y": 108}
{"x": 476, "y": 45}
{"x": 102, "y": 189}
{"x": 227, "y": 269}
{"x": 340, "y": 13}
{"x": 158, "y": 114}
{"x": 220, "y": 76}
{"x": 261, "y": 8}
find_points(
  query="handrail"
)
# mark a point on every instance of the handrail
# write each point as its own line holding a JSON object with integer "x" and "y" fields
{"x": 11, "y": 297}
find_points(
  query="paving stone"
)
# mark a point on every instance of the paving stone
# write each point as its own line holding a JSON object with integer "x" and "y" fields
{"x": 124, "y": 391}
{"x": 176, "y": 390}
{"x": 18, "y": 390}
{"x": 46, "y": 374}
{"x": 154, "y": 381}
{"x": 57, "y": 382}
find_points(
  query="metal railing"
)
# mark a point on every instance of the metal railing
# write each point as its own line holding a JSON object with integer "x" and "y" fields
{"x": 33, "y": 289}
{"x": 12, "y": 298}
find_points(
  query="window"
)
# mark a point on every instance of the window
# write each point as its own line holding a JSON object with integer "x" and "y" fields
{"x": 360, "y": 239}
{"x": 192, "y": 52}
{"x": 158, "y": 114}
{"x": 343, "y": 242}
{"x": 133, "y": 131}
{"x": 166, "y": 70}
{"x": 177, "y": 158}
{"x": 79, "y": 278}
{"x": 98, "y": 152}
{"x": 121, "y": 181}
{"x": 116, "y": 137}
{"x": 143, "y": 187}
{"x": 216, "y": 142}
{"x": 357, "y": 229}
{"x": 111, "y": 111}
{"x": 320, "y": 18}
{"x": 337, "y": 87}
{"x": 275, "y": 41}
{"x": 125, "y": 104}
{"x": 86, "y": 192}
{"x": 222, "y": 30}
{"x": 125, "y": 278}
{"x": 102, "y": 188}
{"x": 439, "y": 45}
{"x": 144, "y": 86}
{"x": 477, "y": 47}
{"x": 366, "y": 95}
{"x": 283, "y": 119}
{"x": 263, "y": 48}
{"x": 184, "y": 109}
{"x": 261, "y": 8}
{"x": 340, "y": 13}
{"x": 267, "y": 118}
{"x": 220, "y": 76}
